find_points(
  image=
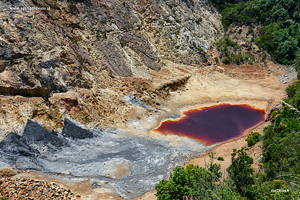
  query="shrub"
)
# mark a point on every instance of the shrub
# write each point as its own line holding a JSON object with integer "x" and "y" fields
{"x": 194, "y": 182}
{"x": 217, "y": 59}
{"x": 241, "y": 172}
{"x": 220, "y": 158}
{"x": 226, "y": 60}
{"x": 199, "y": 20}
{"x": 253, "y": 139}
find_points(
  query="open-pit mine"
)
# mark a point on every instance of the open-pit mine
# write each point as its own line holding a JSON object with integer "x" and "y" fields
{"x": 102, "y": 97}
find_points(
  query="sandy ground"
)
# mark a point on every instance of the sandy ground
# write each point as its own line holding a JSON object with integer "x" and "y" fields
{"x": 209, "y": 85}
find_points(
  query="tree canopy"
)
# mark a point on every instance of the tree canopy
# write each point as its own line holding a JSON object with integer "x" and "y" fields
{"x": 279, "y": 20}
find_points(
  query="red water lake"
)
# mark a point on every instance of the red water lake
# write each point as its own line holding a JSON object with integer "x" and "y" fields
{"x": 211, "y": 125}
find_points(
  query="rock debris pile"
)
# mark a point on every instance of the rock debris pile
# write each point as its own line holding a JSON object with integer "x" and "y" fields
{"x": 21, "y": 188}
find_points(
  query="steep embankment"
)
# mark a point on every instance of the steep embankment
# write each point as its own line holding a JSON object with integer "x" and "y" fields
{"x": 99, "y": 50}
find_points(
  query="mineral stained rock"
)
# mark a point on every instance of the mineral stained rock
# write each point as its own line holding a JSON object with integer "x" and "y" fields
{"x": 102, "y": 50}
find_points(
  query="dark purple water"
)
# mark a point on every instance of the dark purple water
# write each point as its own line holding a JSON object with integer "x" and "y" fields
{"x": 214, "y": 124}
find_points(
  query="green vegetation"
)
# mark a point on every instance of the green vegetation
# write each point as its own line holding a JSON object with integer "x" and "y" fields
{"x": 217, "y": 59}
{"x": 199, "y": 49}
{"x": 281, "y": 150}
{"x": 281, "y": 140}
{"x": 74, "y": 39}
{"x": 230, "y": 52}
{"x": 220, "y": 158}
{"x": 195, "y": 182}
{"x": 280, "y": 20}
{"x": 199, "y": 20}
{"x": 189, "y": 3}
{"x": 253, "y": 139}
{"x": 240, "y": 172}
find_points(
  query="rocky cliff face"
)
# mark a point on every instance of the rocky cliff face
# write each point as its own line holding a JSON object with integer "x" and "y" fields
{"x": 81, "y": 57}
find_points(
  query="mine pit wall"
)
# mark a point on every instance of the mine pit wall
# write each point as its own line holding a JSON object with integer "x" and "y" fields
{"x": 123, "y": 37}
{"x": 89, "y": 47}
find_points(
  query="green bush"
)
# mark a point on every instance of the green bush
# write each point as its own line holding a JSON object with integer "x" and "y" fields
{"x": 253, "y": 139}
{"x": 251, "y": 31}
{"x": 226, "y": 60}
{"x": 280, "y": 33}
{"x": 230, "y": 52}
{"x": 199, "y": 20}
{"x": 195, "y": 182}
{"x": 292, "y": 89}
{"x": 220, "y": 158}
{"x": 240, "y": 172}
{"x": 217, "y": 59}
{"x": 189, "y": 3}
{"x": 266, "y": 190}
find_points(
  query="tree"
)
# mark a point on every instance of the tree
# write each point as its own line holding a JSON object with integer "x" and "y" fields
{"x": 241, "y": 172}
{"x": 195, "y": 182}
{"x": 253, "y": 139}
{"x": 176, "y": 188}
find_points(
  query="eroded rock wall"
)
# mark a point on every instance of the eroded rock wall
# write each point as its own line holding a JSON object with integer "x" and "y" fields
{"x": 90, "y": 47}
